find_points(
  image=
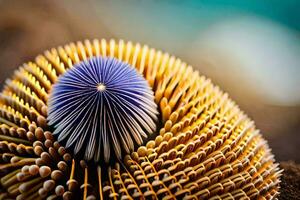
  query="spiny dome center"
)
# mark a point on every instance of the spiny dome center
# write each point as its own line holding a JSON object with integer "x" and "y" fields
{"x": 102, "y": 105}
{"x": 101, "y": 87}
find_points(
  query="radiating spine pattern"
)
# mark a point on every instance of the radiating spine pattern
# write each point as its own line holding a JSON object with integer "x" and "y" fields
{"x": 102, "y": 102}
{"x": 205, "y": 147}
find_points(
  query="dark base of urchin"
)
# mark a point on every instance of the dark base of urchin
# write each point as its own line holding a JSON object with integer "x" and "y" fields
{"x": 290, "y": 181}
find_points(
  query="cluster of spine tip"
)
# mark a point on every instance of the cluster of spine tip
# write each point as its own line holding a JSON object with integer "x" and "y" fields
{"x": 33, "y": 164}
{"x": 206, "y": 148}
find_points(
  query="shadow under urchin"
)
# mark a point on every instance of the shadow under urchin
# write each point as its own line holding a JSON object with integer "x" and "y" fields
{"x": 101, "y": 107}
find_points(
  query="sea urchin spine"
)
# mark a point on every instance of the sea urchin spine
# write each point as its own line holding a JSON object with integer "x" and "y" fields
{"x": 206, "y": 148}
{"x": 102, "y": 102}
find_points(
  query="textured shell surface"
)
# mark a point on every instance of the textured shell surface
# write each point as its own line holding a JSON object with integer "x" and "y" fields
{"x": 116, "y": 120}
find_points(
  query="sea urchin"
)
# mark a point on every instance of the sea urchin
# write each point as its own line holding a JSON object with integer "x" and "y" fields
{"x": 102, "y": 102}
{"x": 94, "y": 94}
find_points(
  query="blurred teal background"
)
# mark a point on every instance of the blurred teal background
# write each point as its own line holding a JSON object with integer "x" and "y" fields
{"x": 250, "y": 48}
{"x": 179, "y": 22}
